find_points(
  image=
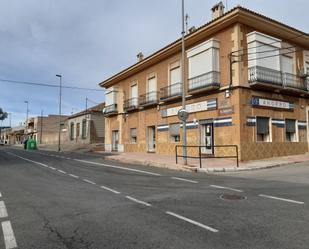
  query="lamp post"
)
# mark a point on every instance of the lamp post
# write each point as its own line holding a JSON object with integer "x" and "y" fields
{"x": 184, "y": 128}
{"x": 27, "y": 111}
{"x": 59, "y": 133}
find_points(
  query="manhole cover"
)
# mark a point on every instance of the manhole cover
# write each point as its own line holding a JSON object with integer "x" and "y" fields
{"x": 232, "y": 197}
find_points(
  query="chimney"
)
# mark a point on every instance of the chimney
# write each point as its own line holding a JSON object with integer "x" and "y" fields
{"x": 192, "y": 29}
{"x": 140, "y": 56}
{"x": 217, "y": 10}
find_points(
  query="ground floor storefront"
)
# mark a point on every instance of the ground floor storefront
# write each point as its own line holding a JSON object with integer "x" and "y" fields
{"x": 261, "y": 124}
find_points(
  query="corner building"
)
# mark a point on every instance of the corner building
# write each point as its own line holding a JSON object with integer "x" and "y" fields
{"x": 246, "y": 84}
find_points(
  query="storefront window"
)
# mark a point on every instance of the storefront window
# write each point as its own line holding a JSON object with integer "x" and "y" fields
{"x": 263, "y": 131}
{"x": 175, "y": 132}
{"x": 133, "y": 135}
{"x": 290, "y": 130}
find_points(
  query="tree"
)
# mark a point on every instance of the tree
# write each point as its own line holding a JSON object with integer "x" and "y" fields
{"x": 3, "y": 116}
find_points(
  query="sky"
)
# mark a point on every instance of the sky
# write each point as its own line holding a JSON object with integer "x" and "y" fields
{"x": 89, "y": 41}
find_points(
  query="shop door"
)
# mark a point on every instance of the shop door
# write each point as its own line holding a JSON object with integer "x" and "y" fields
{"x": 207, "y": 139}
{"x": 115, "y": 140}
{"x": 151, "y": 137}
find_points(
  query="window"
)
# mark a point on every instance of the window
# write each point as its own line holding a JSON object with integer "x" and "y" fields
{"x": 133, "y": 135}
{"x": 77, "y": 130}
{"x": 175, "y": 132}
{"x": 152, "y": 88}
{"x": 175, "y": 86}
{"x": 72, "y": 131}
{"x": 259, "y": 49}
{"x": 204, "y": 58}
{"x": 84, "y": 128}
{"x": 290, "y": 130}
{"x": 111, "y": 96}
{"x": 262, "y": 128}
{"x": 134, "y": 94}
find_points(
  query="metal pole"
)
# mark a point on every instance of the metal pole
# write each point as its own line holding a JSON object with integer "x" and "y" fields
{"x": 41, "y": 135}
{"x": 184, "y": 128}
{"x": 59, "y": 133}
{"x": 27, "y": 111}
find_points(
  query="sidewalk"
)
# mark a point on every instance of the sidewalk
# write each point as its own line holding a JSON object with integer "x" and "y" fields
{"x": 208, "y": 165}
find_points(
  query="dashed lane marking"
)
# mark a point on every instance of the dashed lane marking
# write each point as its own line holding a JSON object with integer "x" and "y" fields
{"x": 183, "y": 179}
{"x": 52, "y": 168}
{"x": 26, "y": 159}
{"x": 192, "y": 222}
{"x": 0, "y": 195}
{"x": 110, "y": 189}
{"x": 75, "y": 176}
{"x": 61, "y": 171}
{"x": 281, "y": 199}
{"x": 222, "y": 187}
{"x": 9, "y": 238}
{"x": 138, "y": 201}
{"x": 3, "y": 212}
{"x": 88, "y": 181}
{"x": 118, "y": 167}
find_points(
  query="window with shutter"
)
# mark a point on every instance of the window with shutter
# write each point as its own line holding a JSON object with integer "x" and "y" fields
{"x": 133, "y": 135}
{"x": 174, "y": 130}
{"x": 290, "y": 130}
{"x": 262, "y": 129}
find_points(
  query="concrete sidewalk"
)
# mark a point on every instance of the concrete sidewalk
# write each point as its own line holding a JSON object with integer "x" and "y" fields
{"x": 208, "y": 165}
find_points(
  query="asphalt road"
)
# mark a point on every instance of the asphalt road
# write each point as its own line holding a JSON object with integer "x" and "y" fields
{"x": 51, "y": 200}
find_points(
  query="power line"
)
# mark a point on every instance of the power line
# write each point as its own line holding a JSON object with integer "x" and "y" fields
{"x": 50, "y": 85}
{"x": 268, "y": 51}
{"x": 266, "y": 44}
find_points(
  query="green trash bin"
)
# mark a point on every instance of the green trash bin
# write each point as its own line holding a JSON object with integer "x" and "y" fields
{"x": 31, "y": 144}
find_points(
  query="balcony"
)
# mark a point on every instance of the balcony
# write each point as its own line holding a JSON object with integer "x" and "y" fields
{"x": 149, "y": 99}
{"x": 110, "y": 110}
{"x": 269, "y": 79}
{"x": 205, "y": 82}
{"x": 171, "y": 92}
{"x": 130, "y": 104}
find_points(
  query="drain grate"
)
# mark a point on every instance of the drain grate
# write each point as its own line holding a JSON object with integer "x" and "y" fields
{"x": 233, "y": 197}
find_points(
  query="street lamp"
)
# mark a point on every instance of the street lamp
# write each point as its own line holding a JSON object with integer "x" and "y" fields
{"x": 27, "y": 102}
{"x": 184, "y": 128}
{"x": 59, "y": 133}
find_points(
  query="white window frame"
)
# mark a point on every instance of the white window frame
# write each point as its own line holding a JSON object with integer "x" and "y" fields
{"x": 269, "y": 137}
{"x": 296, "y": 133}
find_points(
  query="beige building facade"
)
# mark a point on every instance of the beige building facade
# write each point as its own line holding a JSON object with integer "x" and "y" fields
{"x": 246, "y": 84}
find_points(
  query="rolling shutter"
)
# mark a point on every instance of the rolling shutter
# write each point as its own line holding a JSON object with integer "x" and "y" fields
{"x": 262, "y": 125}
{"x": 290, "y": 125}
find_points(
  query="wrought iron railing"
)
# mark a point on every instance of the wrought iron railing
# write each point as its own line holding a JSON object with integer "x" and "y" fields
{"x": 173, "y": 90}
{"x": 148, "y": 98}
{"x": 130, "y": 104}
{"x": 294, "y": 81}
{"x": 110, "y": 109}
{"x": 276, "y": 78}
{"x": 264, "y": 75}
{"x": 210, "y": 79}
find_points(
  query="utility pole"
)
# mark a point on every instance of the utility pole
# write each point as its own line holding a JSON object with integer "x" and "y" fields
{"x": 60, "y": 88}
{"x": 184, "y": 128}
{"x": 27, "y": 111}
{"x": 41, "y": 132}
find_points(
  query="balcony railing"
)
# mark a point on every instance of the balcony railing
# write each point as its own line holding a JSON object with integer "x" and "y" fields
{"x": 276, "y": 78}
{"x": 130, "y": 104}
{"x": 202, "y": 82}
{"x": 171, "y": 91}
{"x": 110, "y": 110}
{"x": 148, "y": 99}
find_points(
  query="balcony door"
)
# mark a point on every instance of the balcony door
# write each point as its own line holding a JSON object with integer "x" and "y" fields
{"x": 175, "y": 80}
{"x": 134, "y": 95}
{"x": 207, "y": 138}
{"x": 152, "y": 89}
{"x": 115, "y": 140}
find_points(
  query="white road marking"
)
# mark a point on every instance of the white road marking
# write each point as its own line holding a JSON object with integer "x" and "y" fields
{"x": 221, "y": 187}
{"x": 68, "y": 158}
{"x": 192, "y": 222}
{"x": 91, "y": 182}
{"x": 183, "y": 179}
{"x": 281, "y": 199}
{"x": 138, "y": 201}
{"x": 74, "y": 176}
{"x": 110, "y": 189}
{"x": 9, "y": 238}
{"x": 26, "y": 159}
{"x": 0, "y": 195}
{"x": 52, "y": 168}
{"x": 3, "y": 212}
{"x": 61, "y": 171}
{"x": 118, "y": 167}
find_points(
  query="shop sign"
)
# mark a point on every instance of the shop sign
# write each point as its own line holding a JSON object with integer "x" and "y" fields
{"x": 191, "y": 108}
{"x": 270, "y": 103}
{"x": 226, "y": 111}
